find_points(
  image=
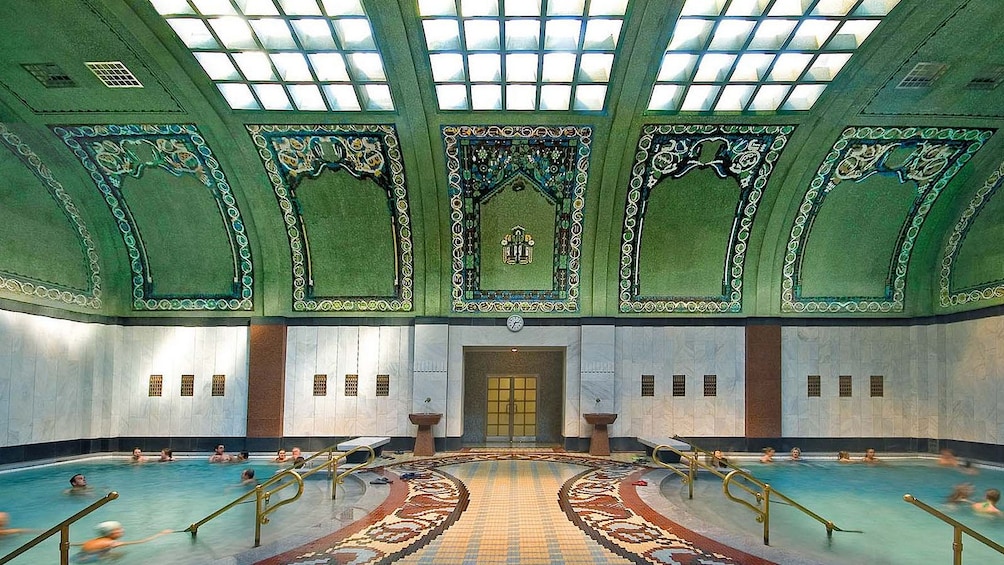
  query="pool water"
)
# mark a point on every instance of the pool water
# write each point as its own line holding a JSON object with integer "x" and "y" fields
{"x": 157, "y": 496}
{"x": 856, "y": 497}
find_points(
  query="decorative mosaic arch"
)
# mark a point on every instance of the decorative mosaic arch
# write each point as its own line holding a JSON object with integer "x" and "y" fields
{"x": 291, "y": 154}
{"x": 938, "y": 154}
{"x": 106, "y": 151}
{"x": 480, "y": 160}
{"x": 987, "y": 291}
{"x": 747, "y": 154}
{"x": 19, "y": 284}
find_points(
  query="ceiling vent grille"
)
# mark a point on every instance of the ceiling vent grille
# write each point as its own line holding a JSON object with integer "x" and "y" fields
{"x": 922, "y": 75}
{"x": 987, "y": 80}
{"x": 114, "y": 74}
{"x": 49, "y": 74}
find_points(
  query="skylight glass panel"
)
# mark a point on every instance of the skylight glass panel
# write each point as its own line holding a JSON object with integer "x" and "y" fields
{"x": 760, "y": 55}
{"x": 302, "y": 55}
{"x": 522, "y": 54}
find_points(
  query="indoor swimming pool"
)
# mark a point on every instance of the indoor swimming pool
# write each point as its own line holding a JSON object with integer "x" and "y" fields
{"x": 856, "y": 496}
{"x": 157, "y": 496}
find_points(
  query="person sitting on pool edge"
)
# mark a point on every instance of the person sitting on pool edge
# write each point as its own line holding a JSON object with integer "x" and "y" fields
{"x": 768, "y": 455}
{"x": 109, "y": 533}
{"x": 989, "y": 504}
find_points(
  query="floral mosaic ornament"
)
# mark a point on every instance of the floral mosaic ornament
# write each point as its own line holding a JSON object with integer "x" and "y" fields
{"x": 25, "y": 286}
{"x": 668, "y": 152}
{"x": 935, "y": 156}
{"x": 481, "y": 161}
{"x": 292, "y": 154}
{"x": 948, "y": 295}
{"x": 110, "y": 153}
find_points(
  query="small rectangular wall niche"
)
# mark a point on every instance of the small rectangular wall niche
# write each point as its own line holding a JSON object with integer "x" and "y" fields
{"x": 648, "y": 385}
{"x": 814, "y": 386}
{"x": 320, "y": 385}
{"x": 383, "y": 385}
{"x": 156, "y": 387}
{"x": 877, "y": 386}
{"x": 845, "y": 386}
{"x": 679, "y": 385}
{"x": 187, "y": 385}
{"x": 351, "y": 385}
{"x": 219, "y": 385}
{"x": 710, "y": 385}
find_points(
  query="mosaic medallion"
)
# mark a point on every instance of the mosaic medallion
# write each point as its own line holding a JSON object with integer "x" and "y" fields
{"x": 26, "y": 286}
{"x": 741, "y": 155}
{"x": 483, "y": 162}
{"x": 925, "y": 159}
{"x": 114, "y": 154}
{"x": 294, "y": 155}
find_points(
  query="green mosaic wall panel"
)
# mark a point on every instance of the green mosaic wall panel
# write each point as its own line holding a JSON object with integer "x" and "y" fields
{"x": 293, "y": 155}
{"x": 926, "y": 159}
{"x": 483, "y": 161}
{"x": 742, "y": 156}
{"x": 950, "y": 293}
{"x": 24, "y": 285}
{"x": 112, "y": 154}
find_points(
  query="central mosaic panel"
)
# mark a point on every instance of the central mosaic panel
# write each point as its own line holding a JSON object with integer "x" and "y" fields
{"x": 517, "y": 195}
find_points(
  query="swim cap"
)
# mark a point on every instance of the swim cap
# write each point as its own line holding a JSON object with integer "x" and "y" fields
{"x": 106, "y": 528}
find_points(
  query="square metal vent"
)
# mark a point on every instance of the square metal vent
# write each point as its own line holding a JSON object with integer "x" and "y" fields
{"x": 989, "y": 79}
{"x": 114, "y": 74}
{"x": 922, "y": 75}
{"x": 49, "y": 74}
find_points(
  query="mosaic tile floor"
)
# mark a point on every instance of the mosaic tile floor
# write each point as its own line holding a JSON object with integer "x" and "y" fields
{"x": 513, "y": 506}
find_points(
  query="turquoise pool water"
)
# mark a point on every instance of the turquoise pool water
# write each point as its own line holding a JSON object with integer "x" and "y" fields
{"x": 158, "y": 496}
{"x": 857, "y": 497}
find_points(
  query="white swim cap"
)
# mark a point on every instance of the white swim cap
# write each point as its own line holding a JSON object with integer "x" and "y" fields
{"x": 106, "y": 528}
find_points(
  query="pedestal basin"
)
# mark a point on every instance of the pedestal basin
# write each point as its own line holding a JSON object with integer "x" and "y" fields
{"x": 425, "y": 443}
{"x": 599, "y": 442}
{"x": 603, "y": 418}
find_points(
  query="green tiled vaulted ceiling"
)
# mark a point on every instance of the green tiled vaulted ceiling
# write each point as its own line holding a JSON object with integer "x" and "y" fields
{"x": 472, "y": 158}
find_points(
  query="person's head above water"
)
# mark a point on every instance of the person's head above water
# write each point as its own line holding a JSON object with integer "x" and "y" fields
{"x": 78, "y": 480}
{"x": 109, "y": 529}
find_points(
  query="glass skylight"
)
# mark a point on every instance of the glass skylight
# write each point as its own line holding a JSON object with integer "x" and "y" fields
{"x": 307, "y": 55}
{"x": 760, "y": 55}
{"x": 522, "y": 54}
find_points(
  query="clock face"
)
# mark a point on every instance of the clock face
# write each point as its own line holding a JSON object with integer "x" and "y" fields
{"x": 514, "y": 323}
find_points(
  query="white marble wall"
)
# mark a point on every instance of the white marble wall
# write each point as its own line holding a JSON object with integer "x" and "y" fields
{"x": 909, "y": 358}
{"x": 338, "y": 351}
{"x": 973, "y": 390}
{"x": 62, "y": 380}
{"x": 690, "y": 351}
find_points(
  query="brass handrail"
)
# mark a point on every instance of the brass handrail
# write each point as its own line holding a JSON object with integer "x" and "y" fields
{"x": 64, "y": 532}
{"x": 263, "y": 496}
{"x": 762, "y": 495}
{"x": 958, "y": 527}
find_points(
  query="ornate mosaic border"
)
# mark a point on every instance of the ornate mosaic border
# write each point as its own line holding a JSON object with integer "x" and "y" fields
{"x": 18, "y": 284}
{"x": 556, "y": 158}
{"x": 179, "y": 149}
{"x": 664, "y": 152}
{"x": 988, "y": 291}
{"x": 291, "y": 154}
{"x": 859, "y": 153}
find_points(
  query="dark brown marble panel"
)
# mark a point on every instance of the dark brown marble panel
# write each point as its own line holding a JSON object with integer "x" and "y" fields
{"x": 763, "y": 381}
{"x": 266, "y": 380}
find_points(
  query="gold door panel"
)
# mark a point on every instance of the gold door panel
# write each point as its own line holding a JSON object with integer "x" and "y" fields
{"x": 512, "y": 409}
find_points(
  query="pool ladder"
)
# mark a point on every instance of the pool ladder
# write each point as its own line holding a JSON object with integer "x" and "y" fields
{"x": 959, "y": 528}
{"x": 762, "y": 493}
{"x": 262, "y": 493}
{"x": 64, "y": 532}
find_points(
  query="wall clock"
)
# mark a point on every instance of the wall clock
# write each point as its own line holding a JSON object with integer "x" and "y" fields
{"x": 514, "y": 323}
